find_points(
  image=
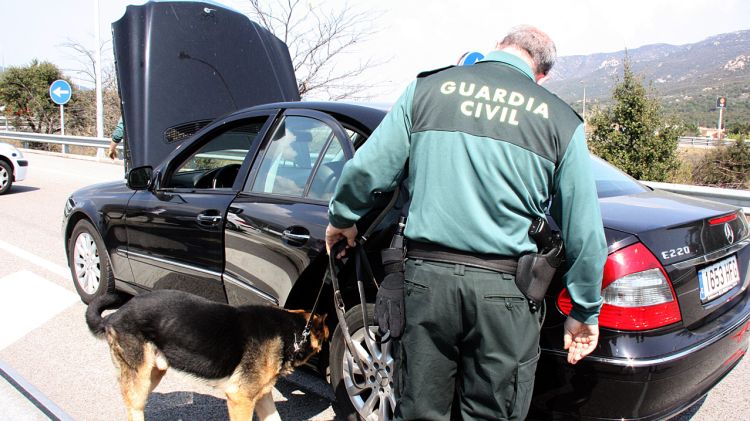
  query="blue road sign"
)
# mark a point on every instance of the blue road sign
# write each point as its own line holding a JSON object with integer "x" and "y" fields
{"x": 470, "y": 58}
{"x": 60, "y": 92}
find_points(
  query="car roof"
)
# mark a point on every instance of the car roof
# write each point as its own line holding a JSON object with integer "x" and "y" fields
{"x": 359, "y": 114}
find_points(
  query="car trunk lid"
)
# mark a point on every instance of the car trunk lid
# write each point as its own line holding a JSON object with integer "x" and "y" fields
{"x": 689, "y": 237}
{"x": 182, "y": 64}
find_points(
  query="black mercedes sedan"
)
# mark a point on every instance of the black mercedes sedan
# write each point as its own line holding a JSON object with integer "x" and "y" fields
{"x": 228, "y": 196}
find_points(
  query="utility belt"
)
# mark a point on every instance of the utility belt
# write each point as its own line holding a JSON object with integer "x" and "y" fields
{"x": 533, "y": 272}
{"x": 438, "y": 253}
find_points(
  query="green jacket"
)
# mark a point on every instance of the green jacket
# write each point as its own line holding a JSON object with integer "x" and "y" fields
{"x": 487, "y": 148}
{"x": 119, "y": 132}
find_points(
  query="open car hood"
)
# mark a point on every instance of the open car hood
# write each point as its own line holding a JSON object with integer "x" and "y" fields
{"x": 182, "y": 64}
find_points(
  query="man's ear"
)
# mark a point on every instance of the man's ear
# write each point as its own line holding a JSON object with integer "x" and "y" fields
{"x": 540, "y": 78}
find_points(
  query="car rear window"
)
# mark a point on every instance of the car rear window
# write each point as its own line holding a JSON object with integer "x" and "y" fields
{"x": 612, "y": 182}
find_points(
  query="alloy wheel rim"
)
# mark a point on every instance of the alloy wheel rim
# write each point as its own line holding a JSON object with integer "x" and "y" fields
{"x": 87, "y": 263}
{"x": 4, "y": 177}
{"x": 376, "y": 401}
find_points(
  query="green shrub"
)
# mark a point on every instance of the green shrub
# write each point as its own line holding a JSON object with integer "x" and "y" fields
{"x": 727, "y": 166}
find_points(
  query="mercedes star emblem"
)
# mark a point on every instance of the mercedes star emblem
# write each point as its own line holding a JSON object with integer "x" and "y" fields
{"x": 729, "y": 233}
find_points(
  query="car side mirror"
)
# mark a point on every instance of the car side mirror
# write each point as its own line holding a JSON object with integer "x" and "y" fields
{"x": 140, "y": 178}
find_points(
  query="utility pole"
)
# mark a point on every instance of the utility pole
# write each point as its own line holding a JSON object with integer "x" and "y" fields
{"x": 583, "y": 110}
{"x": 584, "y": 103}
{"x": 98, "y": 72}
{"x": 721, "y": 103}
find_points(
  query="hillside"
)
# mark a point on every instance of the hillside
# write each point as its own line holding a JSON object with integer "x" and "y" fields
{"x": 688, "y": 78}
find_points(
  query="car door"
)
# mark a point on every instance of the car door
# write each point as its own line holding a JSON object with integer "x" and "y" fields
{"x": 276, "y": 224}
{"x": 175, "y": 230}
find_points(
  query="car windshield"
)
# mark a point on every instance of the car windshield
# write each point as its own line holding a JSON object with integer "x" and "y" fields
{"x": 612, "y": 182}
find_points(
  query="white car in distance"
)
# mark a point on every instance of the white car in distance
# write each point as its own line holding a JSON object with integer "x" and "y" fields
{"x": 12, "y": 167}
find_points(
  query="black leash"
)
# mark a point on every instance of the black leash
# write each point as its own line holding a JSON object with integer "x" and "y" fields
{"x": 361, "y": 263}
{"x": 364, "y": 271}
{"x": 340, "y": 308}
{"x": 298, "y": 345}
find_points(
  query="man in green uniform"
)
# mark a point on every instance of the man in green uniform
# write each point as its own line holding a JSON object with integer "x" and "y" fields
{"x": 488, "y": 149}
{"x": 117, "y": 135}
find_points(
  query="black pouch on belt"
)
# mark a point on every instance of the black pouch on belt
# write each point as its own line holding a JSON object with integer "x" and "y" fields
{"x": 535, "y": 272}
{"x": 389, "y": 302}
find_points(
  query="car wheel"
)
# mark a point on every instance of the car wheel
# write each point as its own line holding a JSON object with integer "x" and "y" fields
{"x": 89, "y": 262}
{"x": 6, "y": 177}
{"x": 362, "y": 395}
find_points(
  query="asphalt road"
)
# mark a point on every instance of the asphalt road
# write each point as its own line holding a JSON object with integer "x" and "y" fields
{"x": 43, "y": 337}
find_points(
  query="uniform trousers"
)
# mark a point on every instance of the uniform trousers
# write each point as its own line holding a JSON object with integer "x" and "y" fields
{"x": 470, "y": 347}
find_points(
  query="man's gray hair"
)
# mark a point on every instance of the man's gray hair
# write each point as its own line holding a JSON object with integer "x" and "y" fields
{"x": 535, "y": 42}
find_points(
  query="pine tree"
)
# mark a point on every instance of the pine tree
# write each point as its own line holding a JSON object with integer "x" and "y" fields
{"x": 633, "y": 133}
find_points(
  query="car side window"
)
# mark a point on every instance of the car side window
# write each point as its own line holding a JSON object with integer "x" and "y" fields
{"x": 291, "y": 156}
{"x": 357, "y": 138}
{"x": 215, "y": 165}
{"x": 328, "y": 173}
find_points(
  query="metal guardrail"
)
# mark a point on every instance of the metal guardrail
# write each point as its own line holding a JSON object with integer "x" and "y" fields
{"x": 702, "y": 142}
{"x": 101, "y": 143}
{"x": 730, "y": 196}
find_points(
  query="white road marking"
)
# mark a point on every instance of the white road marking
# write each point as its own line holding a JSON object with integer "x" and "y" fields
{"x": 42, "y": 263}
{"x": 27, "y": 301}
{"x": 77, "y": 176}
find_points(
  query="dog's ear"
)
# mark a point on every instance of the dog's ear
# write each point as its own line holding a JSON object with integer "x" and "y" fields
{"x": 319, "y": 324}
{"x": 318, "y": 319}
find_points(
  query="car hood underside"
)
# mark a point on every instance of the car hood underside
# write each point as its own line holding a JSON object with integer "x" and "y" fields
{"x": 182, "y": 64}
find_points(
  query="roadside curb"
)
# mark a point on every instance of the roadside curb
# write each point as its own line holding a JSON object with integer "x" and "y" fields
{"x": 36, "y": 397}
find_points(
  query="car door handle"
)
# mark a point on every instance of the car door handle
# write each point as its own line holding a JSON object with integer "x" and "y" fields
{"x": 289, "y": 235}
{"x": 208, "y": 219}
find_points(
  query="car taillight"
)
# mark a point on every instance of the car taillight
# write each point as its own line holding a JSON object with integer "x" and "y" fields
{"x": 722, "y": 219}
{"x": 636, "y": 290}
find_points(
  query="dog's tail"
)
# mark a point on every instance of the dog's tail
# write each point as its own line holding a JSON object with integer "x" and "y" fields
{"x": 94, "y": 318}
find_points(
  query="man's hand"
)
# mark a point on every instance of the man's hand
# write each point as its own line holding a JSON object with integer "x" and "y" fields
{"x": 112, "y": 151}
{"x": 334, "y": 235}
{"x": 579, "y": 339}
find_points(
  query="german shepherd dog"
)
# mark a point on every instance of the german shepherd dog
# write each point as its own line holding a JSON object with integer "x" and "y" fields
{"x": 243, "y": 349}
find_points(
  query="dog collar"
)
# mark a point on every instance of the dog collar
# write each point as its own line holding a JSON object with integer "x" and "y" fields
{"x": 300, "y": 344}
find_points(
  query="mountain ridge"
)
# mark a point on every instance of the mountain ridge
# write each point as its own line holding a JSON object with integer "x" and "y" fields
{"x": 686, "y": 78}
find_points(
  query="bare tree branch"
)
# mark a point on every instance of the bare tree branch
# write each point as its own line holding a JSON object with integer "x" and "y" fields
{"x": 85, "y": 122}
{"x": 319, "y": 41}
{"x": 87, "y": 60}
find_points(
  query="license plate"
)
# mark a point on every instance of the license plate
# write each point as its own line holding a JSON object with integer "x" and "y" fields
{"x": 718, "y": 278}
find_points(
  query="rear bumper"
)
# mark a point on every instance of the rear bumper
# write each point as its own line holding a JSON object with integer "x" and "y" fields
{"x": 604, "y": 388}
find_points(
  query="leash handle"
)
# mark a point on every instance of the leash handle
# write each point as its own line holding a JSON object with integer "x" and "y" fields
{"x": 363, "y": 269}
{"x": 338, "y": 247}
{"x": 340, "y": 308}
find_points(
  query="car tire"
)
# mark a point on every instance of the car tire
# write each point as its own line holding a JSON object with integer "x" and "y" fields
{"x": 377, "y": 397}
{"x": 89, "y": 262}
{"x": 6, "y": 177}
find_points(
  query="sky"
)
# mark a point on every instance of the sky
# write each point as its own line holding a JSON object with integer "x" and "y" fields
{"x": 409, "y": 35}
